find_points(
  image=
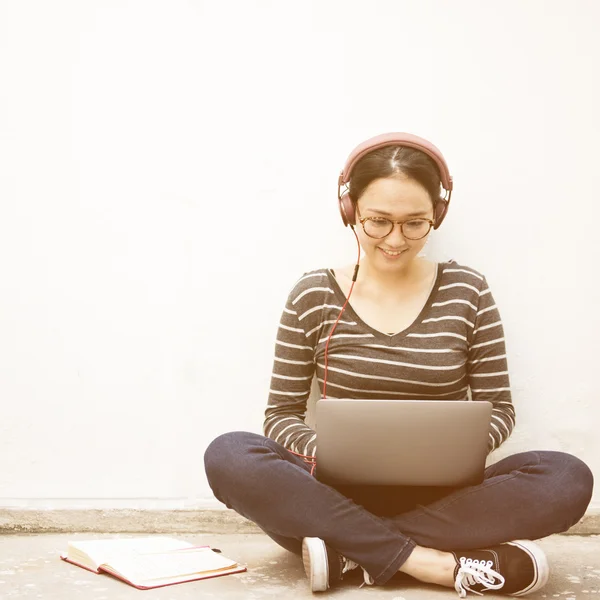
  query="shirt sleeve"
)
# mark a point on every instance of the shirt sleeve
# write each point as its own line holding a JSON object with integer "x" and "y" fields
{"x": 293, "y": 370}
{"x": 488, "y": 368}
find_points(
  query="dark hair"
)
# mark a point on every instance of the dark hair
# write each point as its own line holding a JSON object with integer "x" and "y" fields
{"x": 395, "y": 160}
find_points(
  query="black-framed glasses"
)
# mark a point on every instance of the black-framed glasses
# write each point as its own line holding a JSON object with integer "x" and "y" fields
{"x": 380, "y": 227}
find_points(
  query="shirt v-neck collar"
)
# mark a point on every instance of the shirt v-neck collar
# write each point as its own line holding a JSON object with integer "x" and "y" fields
{"x": 389, "y": 338}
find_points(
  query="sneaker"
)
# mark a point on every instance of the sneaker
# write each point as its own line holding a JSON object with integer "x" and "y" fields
{"x": 517, "y": 568}
{"x": 324, "y": 567}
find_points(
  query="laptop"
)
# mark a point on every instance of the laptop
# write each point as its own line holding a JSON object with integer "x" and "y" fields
{"x": 402, "y": 442}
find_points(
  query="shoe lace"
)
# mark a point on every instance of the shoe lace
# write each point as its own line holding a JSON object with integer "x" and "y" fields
{"x": 350, "y": 565}
{"x": 475, "y": 572}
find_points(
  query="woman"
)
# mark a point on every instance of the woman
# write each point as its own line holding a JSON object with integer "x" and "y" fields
{"x": 414, "y": 329}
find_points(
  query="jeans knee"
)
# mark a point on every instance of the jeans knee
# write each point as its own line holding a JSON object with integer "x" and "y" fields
{"x": 225, "y": 451}
{"x": 583, "y": 484}
{"x": 575, "y": 483}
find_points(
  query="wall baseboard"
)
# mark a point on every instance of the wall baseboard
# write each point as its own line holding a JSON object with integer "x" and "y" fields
{"x": 16, "y": 521}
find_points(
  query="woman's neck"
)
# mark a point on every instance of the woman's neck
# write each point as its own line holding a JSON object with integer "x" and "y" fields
{"x": 394, "y": 283}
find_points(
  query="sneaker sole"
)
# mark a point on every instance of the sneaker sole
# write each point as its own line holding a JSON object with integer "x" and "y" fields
{"x": 316, "y": 567}
{"x": 540, "y": 565}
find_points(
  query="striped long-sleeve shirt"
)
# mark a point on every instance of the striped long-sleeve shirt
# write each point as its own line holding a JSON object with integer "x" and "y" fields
{"x": 454, "y": 350}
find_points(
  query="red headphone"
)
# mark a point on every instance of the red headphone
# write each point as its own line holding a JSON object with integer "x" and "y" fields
{"x": 394, "y": 139}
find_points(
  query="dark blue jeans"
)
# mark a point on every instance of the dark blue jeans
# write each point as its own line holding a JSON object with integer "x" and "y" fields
{"x": 525, "y": 496}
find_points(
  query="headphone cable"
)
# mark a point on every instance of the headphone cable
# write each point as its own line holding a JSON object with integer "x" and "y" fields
{"x": 311, "y": 460}
{"x": 341, "y": 312}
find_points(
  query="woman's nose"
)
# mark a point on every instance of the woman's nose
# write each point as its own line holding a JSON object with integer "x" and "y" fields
{"x": 395, "y": 237}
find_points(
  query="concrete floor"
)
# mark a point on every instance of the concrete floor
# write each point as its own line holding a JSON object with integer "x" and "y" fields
{"x": 30, "y": 568}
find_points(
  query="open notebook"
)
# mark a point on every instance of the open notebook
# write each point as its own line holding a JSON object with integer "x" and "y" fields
{"x": 150, "y": 562}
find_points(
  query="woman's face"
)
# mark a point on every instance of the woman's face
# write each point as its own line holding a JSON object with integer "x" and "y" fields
{"x": 399, "y": 199}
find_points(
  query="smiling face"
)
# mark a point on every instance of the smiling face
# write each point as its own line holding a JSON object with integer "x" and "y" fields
{"x": 398, "y": 198}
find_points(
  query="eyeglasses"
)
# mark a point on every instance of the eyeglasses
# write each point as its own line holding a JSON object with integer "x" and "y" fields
{"x": 380, "y": 227}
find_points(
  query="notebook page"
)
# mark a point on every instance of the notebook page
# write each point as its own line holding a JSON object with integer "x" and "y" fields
{"x": 146, "y": 567}
{"x": 101, "y": 551}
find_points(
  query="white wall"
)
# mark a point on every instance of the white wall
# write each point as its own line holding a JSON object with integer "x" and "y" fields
{"x": 134, "y": 328}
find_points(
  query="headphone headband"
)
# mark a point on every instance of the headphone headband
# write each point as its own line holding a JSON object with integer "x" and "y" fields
{"x": 409, "y": 140}
{"x": 397, "y": 139}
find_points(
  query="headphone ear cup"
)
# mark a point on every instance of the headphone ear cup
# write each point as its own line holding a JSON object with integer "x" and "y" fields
{"x": 441, "y": 208}
{"x": 347, "y": 210}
